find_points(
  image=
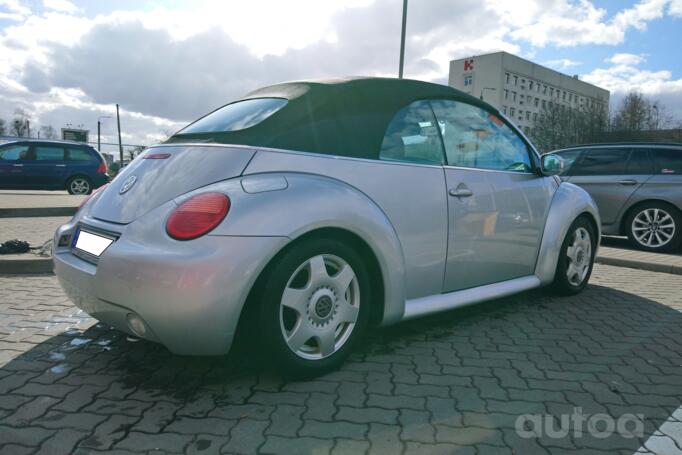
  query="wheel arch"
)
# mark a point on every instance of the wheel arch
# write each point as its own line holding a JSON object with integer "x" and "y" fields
{"x": 569, "y": 203}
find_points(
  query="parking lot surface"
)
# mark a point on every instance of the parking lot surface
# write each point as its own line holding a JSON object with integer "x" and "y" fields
{"x": 453, "y": 383}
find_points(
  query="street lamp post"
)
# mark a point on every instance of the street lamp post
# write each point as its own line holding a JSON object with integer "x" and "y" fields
{"x": 402, "y": 41}
{"x": 99, "y": 127}
{"x": 484, "y": 89}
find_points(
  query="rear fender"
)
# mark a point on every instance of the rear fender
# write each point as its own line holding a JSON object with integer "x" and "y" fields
{"x": 293, "y": 204}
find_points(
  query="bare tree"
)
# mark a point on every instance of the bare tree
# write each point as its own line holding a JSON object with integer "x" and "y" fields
{"x": 560, "y": 125}
{"x": 48, "y": 132}
{"x": 3, "y": 127}
{"x": 133, "y": 152}
{"x": 637, "y": 113}
{"x": 19, "y": 125}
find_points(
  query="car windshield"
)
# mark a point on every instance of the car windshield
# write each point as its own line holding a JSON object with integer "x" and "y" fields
{"x": 236, "y": 116}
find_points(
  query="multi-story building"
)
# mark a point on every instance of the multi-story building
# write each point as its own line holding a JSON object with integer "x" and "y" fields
{"x": 521, "y": 89}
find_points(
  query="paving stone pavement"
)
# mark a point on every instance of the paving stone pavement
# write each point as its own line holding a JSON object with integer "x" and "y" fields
{"x": 454, "y": 383}
{"x": 34, "y": 230}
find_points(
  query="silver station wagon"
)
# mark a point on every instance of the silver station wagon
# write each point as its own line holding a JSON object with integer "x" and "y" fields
{"x": 306, "y": 212}
{"x": 637, "y": 187}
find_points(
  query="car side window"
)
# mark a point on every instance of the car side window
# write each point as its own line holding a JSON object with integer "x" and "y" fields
{"x": 639, "y": 162}
{"x": 412, "y": 136}
{"x": 569, "y": 157}
{"x": 611, "y": 161}
{"x": 48, "y": 153}
{"x": 476, "y": 138}
{"x": 668, "y": 161}
{"x": 79, "y": 155}
{"x": 14, "y": 152}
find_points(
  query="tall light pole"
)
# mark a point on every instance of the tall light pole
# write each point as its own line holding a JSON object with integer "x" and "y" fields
{"x": 402, "y": 41}
{"x": 99, "y": 127}
{"x": 120, "y": 146}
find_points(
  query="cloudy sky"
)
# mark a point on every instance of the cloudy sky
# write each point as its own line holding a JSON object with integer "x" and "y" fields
{"x": 168, "y": 62}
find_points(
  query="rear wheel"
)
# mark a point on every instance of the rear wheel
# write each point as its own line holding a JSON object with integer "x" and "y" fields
{"x": 576, "y": 258}
{"x": 654, "y": 226}
{"x": 314, "y": 306}
{"x": 79, "y": 185}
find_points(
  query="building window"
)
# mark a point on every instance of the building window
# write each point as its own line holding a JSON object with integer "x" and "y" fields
{"x": 535, "y": 116}
{"x": 544, "y": 89}
{"x": 468, "y": 80}
{"x": 506, "y": 94}
{"x": 514, "y": 97}
{"x": 504, "y": 110}
{"x": 527, "y": 115}
{"x": 511, "y": 111}
{"x": 551, "y": 92}
{"x": 563, "y": 96}
{"x": 521, "y": 99}
{"x": 537, "y": 102}
{"x": 544, "y": 104}
{"x": 516, "y": 80}
{"x": 530, "y": 85}
{"x": 506, "y": 78}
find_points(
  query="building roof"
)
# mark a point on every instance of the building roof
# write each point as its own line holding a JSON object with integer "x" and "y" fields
{"x": 346, "y": 116}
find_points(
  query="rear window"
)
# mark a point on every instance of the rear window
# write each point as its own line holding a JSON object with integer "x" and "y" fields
{"x": 236, "y": 116}
{"x": 79, "y": 155}
{"x": 668, "y": 161}
{"x": 569, "y": 157}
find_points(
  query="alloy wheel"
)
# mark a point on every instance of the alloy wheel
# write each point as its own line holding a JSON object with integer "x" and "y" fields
{"x": 653, "y": 227}
{"x": 79, "y": 186}
{"x": 579, "y": 254}
{"x": 319, "y": 307}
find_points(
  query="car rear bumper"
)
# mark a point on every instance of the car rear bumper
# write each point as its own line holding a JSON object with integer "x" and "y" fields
{"x": 189, "y": 295}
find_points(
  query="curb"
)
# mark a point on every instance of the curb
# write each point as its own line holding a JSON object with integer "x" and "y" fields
{"x": 31, "y": 212}
{"x": 641, "y": 265}
{"x": 26, "y": 266}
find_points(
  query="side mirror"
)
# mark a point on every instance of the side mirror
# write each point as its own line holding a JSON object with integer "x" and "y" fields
{"x": 552, "y": 165}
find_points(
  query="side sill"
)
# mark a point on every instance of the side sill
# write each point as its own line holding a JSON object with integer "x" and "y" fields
{"x": 435, "y": 303}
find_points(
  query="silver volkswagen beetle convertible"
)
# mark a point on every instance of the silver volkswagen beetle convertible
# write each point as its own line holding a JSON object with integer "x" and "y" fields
{"x": 310, "y": 211}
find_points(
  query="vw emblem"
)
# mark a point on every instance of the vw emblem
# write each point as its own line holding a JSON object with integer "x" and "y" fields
{"x": 128, "y": 184}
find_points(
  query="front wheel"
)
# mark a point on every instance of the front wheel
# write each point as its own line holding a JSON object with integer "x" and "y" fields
{"x": 654, "y": 226}
{"x": 314, "y": 306}
{"x": 79, "y": 185}
{"x": 576, "y": 258}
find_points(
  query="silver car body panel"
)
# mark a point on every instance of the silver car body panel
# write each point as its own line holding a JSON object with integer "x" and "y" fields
{"x": 191, "y": 294}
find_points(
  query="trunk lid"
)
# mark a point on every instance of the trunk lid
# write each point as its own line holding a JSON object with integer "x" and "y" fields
{"x": 147, "y": 183}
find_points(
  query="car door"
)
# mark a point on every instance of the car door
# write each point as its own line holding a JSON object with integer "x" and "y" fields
{"x": 46, "y": 168}
{"x": 611, "y": 175}
{"x": 497, "y": 203}
{"x": 12, "y": 160}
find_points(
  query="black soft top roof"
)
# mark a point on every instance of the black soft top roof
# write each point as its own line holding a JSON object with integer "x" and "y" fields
{"x": 346, "y": 117}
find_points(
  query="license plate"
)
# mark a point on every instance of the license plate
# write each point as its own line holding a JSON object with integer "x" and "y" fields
{"x": 91, "y": 243}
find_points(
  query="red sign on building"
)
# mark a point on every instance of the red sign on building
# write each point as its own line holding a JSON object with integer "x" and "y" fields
{"x": 469, "y": 64}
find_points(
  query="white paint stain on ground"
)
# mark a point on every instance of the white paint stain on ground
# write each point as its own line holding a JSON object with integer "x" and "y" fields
{"x": 667, "y": 440}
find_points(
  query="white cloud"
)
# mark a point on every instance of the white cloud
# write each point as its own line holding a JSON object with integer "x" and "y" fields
{"x": 63, "y": 6}
{"x": 562, "y": 63}
{"x": 626, "y": 59}
{"x": 565, "y": 23}
{"x": 625, "y": 75}
{"x": 13, "y": 10}
{"x": 675, "y": 8}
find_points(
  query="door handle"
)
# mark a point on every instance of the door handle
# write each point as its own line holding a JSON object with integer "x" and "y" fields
{"x": 18, "y": 165}
{"x": 60, "y": 165}
{"x": 460, "y": 192}
{"x": 628, "y": 182}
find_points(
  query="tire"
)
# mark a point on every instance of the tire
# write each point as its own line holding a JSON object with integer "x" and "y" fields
{"x": 79, "y": 185}
{"x": 576, "y": 258}
{"x": 308, "y": 317}
{"x": 654, "y": 226}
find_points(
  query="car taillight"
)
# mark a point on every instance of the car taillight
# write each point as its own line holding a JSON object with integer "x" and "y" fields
{"x": 102, "y": 169}
{"x": 89, "y": 196}
{"x": 197, "y": 216}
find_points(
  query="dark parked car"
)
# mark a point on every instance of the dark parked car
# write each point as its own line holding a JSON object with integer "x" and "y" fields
{"x": 637, "y": 187}
{"x": 51, "y": 165}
